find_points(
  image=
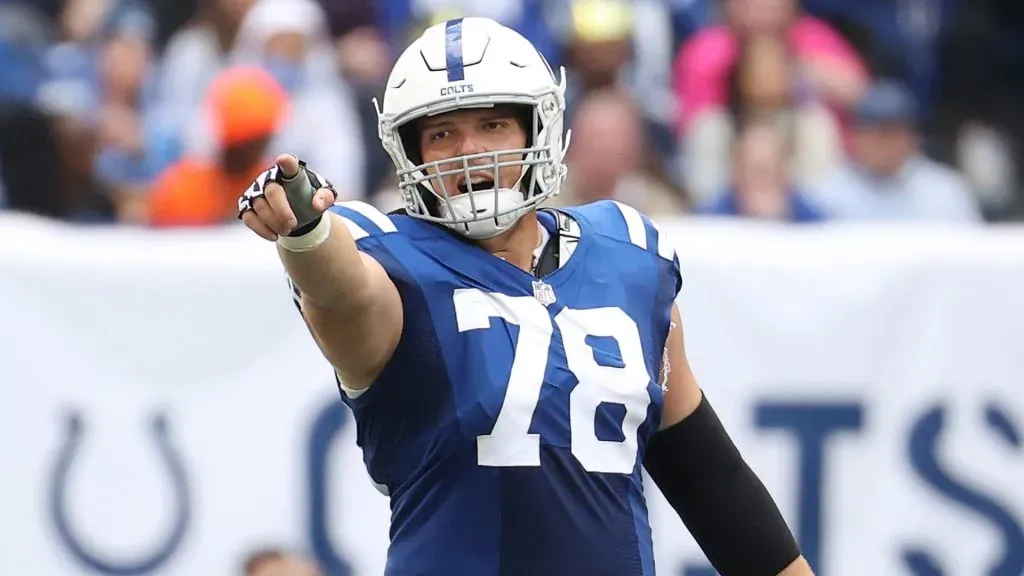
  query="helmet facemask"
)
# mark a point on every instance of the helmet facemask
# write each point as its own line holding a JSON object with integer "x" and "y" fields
{"x": 474, "y": 63}
{"x": 484, "y": 209}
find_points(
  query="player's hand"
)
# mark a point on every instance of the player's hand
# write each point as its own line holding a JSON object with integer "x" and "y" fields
{"x": 285, "y": 199}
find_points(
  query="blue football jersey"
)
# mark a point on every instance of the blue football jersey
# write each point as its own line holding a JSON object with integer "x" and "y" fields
{"x": 509, "y": 426}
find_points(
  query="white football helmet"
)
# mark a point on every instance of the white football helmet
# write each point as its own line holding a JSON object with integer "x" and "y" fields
{"x": 474, "y": 63}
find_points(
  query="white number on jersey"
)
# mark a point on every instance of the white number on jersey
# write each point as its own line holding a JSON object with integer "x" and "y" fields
{"x": 510, "y": 443}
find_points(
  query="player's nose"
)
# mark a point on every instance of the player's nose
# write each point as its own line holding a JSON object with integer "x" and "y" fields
{"x": 471, "y": 144}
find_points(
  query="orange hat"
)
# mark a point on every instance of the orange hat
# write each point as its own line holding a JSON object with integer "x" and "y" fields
{"x": 246, "y": 103}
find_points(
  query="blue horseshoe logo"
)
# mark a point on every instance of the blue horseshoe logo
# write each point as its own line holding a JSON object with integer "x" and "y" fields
{"x": 330, "y": 422}
{"x": 58, "y": 503}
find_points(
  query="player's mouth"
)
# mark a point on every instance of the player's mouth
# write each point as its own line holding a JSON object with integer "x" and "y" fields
{"x": 479, "y": 183}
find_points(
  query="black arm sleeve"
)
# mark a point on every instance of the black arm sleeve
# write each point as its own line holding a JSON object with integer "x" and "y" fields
{"x": 721, "y": 501}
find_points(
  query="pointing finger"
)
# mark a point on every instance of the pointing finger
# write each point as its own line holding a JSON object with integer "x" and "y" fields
{"x": 288, "y": 164}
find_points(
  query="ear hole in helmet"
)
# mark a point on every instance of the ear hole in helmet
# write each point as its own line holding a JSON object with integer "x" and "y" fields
{"x": 409, "y": 133}
{"x": 529, "y": 119}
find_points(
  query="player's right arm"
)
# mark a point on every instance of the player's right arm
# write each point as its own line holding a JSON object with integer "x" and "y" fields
{"x": 352, "y": 307}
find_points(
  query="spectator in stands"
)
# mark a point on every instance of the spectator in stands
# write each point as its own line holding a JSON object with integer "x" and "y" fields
{"x": 888, "y": 178}
{"x": 978, "y": 122}
{"x": 25, "y": 142}
{"x": 193, "y": 58}
{"x": 86, "y": 69}
{"x": 290, "y": 39}
{"x": 365, "y": 59}
{"x": 273, "y": 562}
{"x": 132, "y": 152}
{"x": 25, "y": 33}
{"x": 248, "y": 106}
{"x": 765, "y": 84}
{"x": 600, "y": 45}
{"x": 607, "y": 159}
{"x": 363, "y": 52}
{"x": 834, "y": 71}
{"x": 605, "y": 52}
{"x": 761, "y": 187}
{"x": 65, "y": 185}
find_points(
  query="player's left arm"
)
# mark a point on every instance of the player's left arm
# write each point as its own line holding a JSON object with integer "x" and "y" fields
{"x": 703, "y": 476}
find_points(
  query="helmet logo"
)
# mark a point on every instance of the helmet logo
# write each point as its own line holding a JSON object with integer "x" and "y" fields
{"x": 457, "y": 89}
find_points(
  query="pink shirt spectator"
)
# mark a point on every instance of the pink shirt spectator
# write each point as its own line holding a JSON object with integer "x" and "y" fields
{"x": 705, "y": 60}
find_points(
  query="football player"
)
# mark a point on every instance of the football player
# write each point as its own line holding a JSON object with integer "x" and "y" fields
{"x": 511, "y": 369}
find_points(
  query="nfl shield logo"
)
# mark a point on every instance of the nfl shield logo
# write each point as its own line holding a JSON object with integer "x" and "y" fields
{"x": 543, "y": 292}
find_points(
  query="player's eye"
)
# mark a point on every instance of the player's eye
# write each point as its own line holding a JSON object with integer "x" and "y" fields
{"x": 493, "y": 125}
{"x": 438, "y": 134}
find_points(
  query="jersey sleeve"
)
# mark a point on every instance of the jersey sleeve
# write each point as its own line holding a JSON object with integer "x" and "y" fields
{"x": 367, "y": 225}
{"x": 645, "y": 234}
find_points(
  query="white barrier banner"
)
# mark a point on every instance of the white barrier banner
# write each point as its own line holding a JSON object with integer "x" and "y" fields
{"x": 164, "y": 410}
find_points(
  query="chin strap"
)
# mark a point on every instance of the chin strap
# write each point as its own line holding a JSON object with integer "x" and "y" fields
{"x": 558, "y": 245}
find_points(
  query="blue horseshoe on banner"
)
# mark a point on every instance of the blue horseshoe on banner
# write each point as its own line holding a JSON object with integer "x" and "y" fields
{"x": 58, "y": 503}
{"x": 330, "y": 422}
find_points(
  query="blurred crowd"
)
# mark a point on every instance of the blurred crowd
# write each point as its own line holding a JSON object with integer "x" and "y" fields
{"x": 160, "y": 112}
{"x": 277, "y": 562}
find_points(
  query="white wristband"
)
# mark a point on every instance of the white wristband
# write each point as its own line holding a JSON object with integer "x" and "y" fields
{"x": 310, "y": 240}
